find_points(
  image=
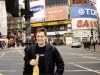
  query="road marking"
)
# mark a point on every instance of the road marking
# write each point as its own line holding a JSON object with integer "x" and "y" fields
{"x": 84, "y": 56}
{"x": 7, "y": 70}
{"x": 10, "y": 59}
{"x": 2, "y": 54}
{"x": 86, "y": 62}
{"x": 13, "y": 64}
{"x": 77, "y": 70}
{"x": 83, "y": 67}
{"x": 21, "y": 53}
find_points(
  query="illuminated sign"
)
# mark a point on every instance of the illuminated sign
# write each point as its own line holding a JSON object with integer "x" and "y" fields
{"x": 83, "y": 1}
{"x": 52, "y": 17}
{"x": 86, "y": 23}
{"x": 84, "y": 12}
{"x": 37, "y": 8}
{"x": 79, "y": 1}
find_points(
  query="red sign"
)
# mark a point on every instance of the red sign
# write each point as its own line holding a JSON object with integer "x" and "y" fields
{"x": 56, "y": 13}
{"x": 86, "y": 23}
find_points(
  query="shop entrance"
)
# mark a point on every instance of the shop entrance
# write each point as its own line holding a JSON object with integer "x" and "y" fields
{"x": 58, "y": 42}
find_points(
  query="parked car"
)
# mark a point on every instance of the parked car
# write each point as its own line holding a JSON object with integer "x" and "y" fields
{"x": 76, "y": 44}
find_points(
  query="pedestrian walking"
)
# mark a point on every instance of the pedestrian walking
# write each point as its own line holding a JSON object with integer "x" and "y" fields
{"x": 94, "y": 44}
{"x": 49, "y": 57}
{"x": 1, "y": 44}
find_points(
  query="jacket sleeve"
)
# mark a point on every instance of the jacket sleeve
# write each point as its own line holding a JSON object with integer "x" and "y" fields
{"x": 27, "y": 57}
{"x": 59, "y": 62}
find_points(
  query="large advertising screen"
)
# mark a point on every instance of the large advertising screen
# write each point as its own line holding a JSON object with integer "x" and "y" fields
{"x": 38, "y": 8}
{"x": 84, "y": 23}
{"x": 93, "y": 2}
{"x": 56, "y": 13}
{"x": 83, "y": 12}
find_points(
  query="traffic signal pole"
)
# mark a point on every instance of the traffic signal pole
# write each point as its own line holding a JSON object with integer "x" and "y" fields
{"x": 27, "y": 20}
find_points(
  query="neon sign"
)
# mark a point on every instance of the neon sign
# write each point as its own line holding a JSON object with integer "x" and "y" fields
{"x": 86, "y": 23}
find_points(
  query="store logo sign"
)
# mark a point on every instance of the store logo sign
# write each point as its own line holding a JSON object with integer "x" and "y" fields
{"x": 37, "y": 8}
{"x": 86, "y": 11}
{"x": 51, "y": 17}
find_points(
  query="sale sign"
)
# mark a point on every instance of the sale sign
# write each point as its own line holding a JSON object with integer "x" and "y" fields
{"x": 84, "y": 23}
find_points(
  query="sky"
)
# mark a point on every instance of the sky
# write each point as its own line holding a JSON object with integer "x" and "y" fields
{"x": 97, "y": 1}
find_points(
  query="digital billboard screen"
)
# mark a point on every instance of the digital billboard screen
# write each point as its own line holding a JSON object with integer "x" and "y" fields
{"x": 83, "y": 12}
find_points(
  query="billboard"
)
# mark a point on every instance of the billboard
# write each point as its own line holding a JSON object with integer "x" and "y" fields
{"x": 93, "y": 2}
{"x": 55, "y": 13}
{"x": 84, "y": 23}
{"x": 38, "y": 11}
{"x": 3, "y": 19}
{"x": 83, "y": 12}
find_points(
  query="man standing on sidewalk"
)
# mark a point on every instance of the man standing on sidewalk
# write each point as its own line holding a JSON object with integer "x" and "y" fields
{"x": 49, "y": 57}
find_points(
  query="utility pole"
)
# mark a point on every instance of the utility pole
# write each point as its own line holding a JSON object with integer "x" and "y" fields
{"x": 27, "y": 20}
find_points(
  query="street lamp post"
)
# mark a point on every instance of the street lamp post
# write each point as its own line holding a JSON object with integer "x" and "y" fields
{"x": 27, "y": 20}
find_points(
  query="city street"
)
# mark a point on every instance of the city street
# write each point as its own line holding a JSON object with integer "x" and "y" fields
{"x": 77, "y": 61}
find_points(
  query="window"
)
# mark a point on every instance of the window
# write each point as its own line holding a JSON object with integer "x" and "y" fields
{"x": 56, "y": 2}
{"x": 61, "y": 27}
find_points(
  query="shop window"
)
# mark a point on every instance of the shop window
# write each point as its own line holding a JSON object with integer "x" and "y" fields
{"x": 61, "y": 27}
{"x": 84, "y": 38}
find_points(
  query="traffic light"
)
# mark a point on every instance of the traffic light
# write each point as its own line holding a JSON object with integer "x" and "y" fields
{"x": 12, "y": 7}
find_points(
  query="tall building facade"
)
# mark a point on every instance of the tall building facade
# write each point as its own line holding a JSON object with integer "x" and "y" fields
{"x": 65, "y": 20}
{"x": 84, "y": 20}
{"x": 3, "y": 20}
{"x": 54, "y": 15}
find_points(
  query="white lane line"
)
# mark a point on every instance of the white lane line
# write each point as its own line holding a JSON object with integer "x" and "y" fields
{"x": 83, "y": 67}
{"x": 84, "y": 56}
{"x": 86, "y": 62}
{"x": 21, "y": 53}
{"x": 78, "y": 70}
{"x": 2, "y": 55}
{"x": 7, "y": 70}
{"x": 10, "y": 59}
{"x": 13, "y": 64}
{"x": 7, "y": 52}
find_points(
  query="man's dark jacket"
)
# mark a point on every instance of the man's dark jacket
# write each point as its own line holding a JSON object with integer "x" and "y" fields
{"x": 52, "y": 59}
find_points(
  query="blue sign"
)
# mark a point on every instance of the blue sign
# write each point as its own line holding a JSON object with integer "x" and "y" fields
{"x": 83, "y": 12}
{"x": 37, "y": 8}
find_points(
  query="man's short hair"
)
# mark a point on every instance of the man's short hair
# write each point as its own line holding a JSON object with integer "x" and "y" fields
{"x": 42, "y": 30}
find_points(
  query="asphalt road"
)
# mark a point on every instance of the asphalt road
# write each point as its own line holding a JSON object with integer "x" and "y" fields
{"x": 77, "y": 61}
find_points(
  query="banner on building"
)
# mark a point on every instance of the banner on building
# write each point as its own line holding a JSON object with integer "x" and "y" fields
{"x": 93, "y": 2}
{"x": 38, "y": 8}
{"x": 56, "y": 13}
{"x": 83, "y": 12}
{"x": 84, "y": 23}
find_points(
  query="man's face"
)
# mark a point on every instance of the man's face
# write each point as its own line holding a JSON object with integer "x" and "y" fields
{"x": 40, "y": 36}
